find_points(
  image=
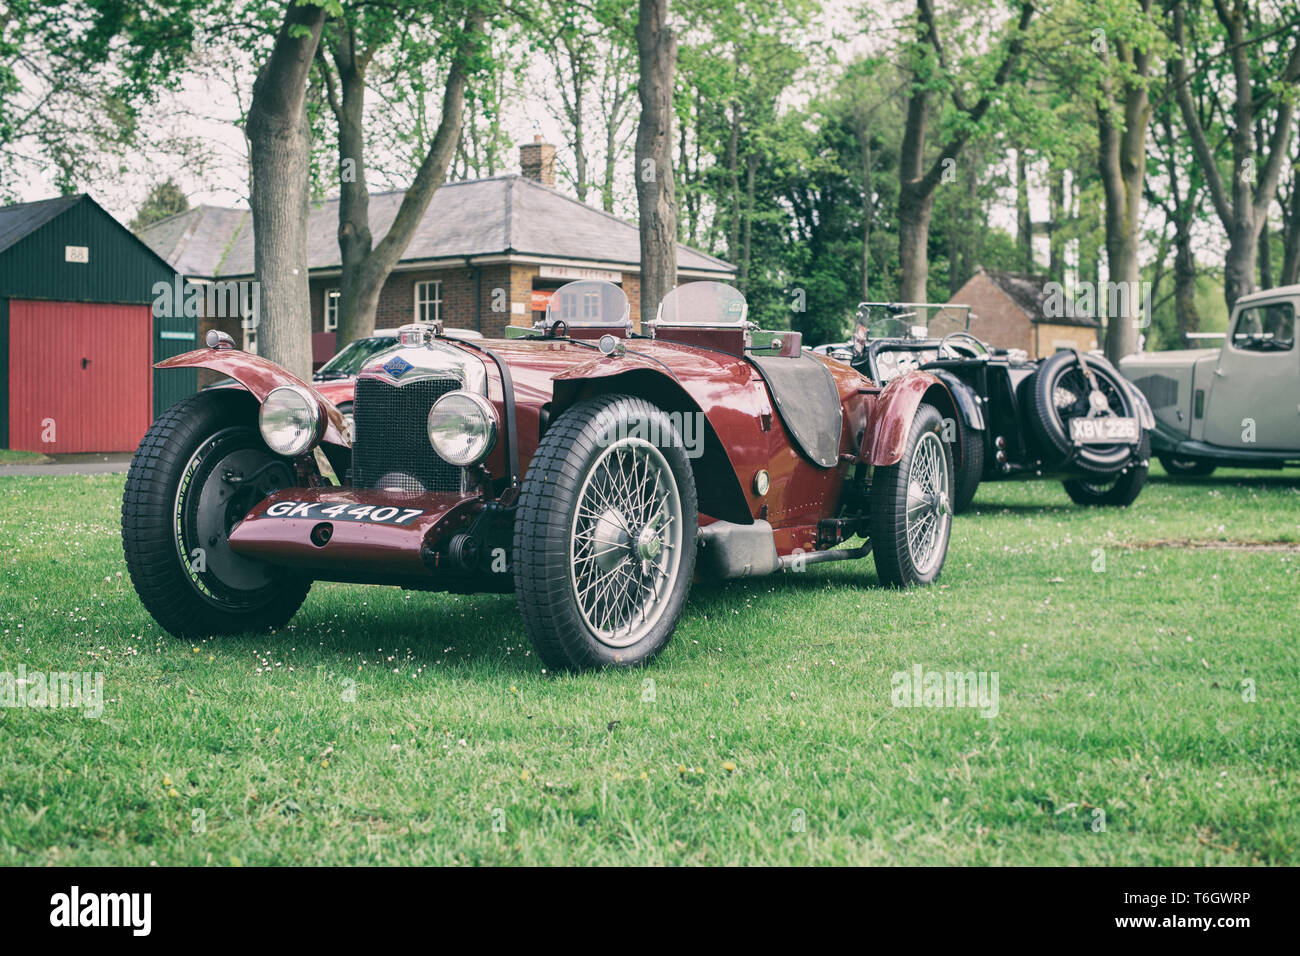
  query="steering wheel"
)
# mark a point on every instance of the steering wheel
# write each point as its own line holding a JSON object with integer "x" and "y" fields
{"x": 981, "y": 348}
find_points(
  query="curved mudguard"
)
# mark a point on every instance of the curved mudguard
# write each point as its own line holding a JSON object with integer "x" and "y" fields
{"x": 260, "y": 376}
{"x": 885, "y": 439}
{"x": 967, "y": 399}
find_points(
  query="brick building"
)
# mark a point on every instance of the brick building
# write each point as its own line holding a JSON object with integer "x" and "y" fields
{"x": 1008, "y": 310}
{"x": 487, "y": 253}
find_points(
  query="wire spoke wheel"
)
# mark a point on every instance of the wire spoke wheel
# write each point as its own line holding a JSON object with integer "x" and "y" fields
{"x": 626, "y": 542}
{"x": 928, "y": 503}
{"x": 604, "y": 545}
{"x": 912, "y": 506}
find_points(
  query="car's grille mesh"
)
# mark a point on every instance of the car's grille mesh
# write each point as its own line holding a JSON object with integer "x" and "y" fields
{"x": 390, "y": 445}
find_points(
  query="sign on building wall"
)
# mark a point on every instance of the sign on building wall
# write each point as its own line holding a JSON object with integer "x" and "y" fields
{"x": 578, "y": 272}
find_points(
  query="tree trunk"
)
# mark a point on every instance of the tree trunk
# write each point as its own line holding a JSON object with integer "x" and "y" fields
{"x": 657, "y": 52}
{"x": 279, "y": 143}
{"x": 1239, "y": 263}
{"x": 868, "y": 212}
{"x": 365, "y": 267}
{"x": 914, "y": 210}
{"x": 1057, "y": 215}
{"x": 355, "y": 239}
{"x": 579, "y": 131}
{"x": 1242, "y": 208}
{"x": 915, "y": 202}
{"x": 1291, "y": 242}
{"x": 1024, "y": 220}
{"x": 751, "y": 170}
{"x": 733, "y": 183}
{"x": 1265, "y": 258}
{"x": 1122, "y": 164}
{"x": 1186, "y": 318}
{"x": 916, "y": 183}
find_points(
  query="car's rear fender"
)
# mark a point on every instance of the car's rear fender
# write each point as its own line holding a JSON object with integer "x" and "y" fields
{"x": 885, "y": 439}
{"x": 720, "y": 492}
{"x": 967, "y": 399}
{"x": 259, "y": 376}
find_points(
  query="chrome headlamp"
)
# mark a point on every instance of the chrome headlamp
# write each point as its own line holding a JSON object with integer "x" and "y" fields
{"x": 290, "y": 420}
{"x": 463, "y": 428}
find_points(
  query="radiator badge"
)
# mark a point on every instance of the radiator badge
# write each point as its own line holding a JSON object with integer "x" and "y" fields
{"x": 397, "y": 366}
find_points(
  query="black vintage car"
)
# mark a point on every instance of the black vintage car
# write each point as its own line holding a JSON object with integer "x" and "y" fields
{"x": 1070, "y": 416}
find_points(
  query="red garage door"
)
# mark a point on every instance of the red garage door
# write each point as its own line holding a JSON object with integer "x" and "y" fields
{"x": 80, "y": 376}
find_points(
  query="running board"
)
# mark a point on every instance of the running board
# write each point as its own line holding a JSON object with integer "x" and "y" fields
{"x": 730, "y": 550}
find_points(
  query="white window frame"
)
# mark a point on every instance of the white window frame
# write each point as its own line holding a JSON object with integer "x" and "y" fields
{"x": 331, "y": 312}
{"x": 423, "y": 299}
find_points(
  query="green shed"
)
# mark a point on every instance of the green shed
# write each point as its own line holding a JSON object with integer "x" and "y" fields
{"x": 80, "y": 330}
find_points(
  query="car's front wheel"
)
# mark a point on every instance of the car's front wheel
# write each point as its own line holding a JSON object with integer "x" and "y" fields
{"x": 200, "y": 469}
{"x": 911, "y": 506}
{"x": 604, "y": 544}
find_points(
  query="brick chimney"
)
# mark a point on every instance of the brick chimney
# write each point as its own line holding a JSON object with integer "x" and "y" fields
{"x": 537, "y": 162}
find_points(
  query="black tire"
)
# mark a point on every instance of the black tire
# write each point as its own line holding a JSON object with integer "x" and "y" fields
{"x": 898, "y": 563}
{"x": 572, "y": 521}
{"x": 1120, "y": 493}
{"x": 970, "y": 472}
{"x": 1058, "y": 392}
{"x": 166, "y": 521}
{"x": 1187, "y": 467}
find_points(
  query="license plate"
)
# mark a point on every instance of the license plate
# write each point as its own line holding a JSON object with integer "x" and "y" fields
{"x": 1103, "y": 431}
{"x": 326, "y": 511}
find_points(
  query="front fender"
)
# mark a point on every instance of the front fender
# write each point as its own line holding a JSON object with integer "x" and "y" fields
{"x": 260, "y": 376}
{"x": 721, "y": 493}
{"x": 607, "y": 367}
{"x": 886, "y": 436}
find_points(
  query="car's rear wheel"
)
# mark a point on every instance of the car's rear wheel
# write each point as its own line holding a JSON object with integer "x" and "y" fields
{"x": 1119, "y": 492}
{"x": 604, "y": 545}
{"x": 971, "y": 471}
{"x": 200, "y": 468}
{"x": 1187, "y": 467}
{"x": 911, "y": 506}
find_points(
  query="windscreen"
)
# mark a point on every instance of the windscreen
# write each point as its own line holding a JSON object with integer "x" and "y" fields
{"x": 587, "y": 303}
{"x": 704, "y": 304}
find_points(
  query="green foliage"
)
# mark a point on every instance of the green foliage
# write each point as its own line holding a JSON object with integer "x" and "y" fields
{"x": 165, "y": 199}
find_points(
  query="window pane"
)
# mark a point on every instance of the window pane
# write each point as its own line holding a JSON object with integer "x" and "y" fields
{"x": 1266, "y": 328}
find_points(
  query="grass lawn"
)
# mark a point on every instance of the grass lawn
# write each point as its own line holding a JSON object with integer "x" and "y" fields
{"x": 10, "y": 457}
{"x": 389, "y": 727}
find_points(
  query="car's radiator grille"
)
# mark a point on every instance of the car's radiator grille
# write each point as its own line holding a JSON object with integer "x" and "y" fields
{"x": 390, "y": 445}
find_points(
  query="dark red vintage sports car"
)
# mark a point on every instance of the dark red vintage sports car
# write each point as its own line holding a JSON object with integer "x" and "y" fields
{"x": 591, "y": 470}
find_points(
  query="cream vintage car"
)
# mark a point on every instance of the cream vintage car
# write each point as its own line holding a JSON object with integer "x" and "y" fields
{"x": 1237, "y": 405}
